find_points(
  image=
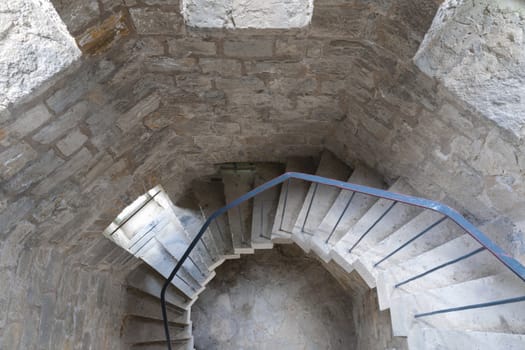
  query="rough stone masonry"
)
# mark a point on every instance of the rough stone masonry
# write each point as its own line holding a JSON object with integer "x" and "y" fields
{"x": 153, "y": 100}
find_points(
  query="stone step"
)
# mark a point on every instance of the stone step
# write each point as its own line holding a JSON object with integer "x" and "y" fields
{"x": 422, "y": 338}
{"x": 141, "y": 304}
{"x": 434, "y": 229}
{"x": 381, "y": 220}
{"x": 210, "y": 196}
{"x": 156, "y": 256}
{"x": 319, "y": 199}
{"x": 291, "y": 199}
{"x": 508, "y": 318}
{"x": 174, "y": 239}
{"x": 265, "y": 205}
{"x": 345, "y": 211}
{"x": 186, "y": 344}
{"x": 143, "y": 330}
{"x": 477, "y": 266}
{"x": 148, "y": 281}
{"x": 238, "y": 181}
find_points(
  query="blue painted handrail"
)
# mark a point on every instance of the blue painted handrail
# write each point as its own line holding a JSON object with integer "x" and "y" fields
{"x": 512, "y": 264}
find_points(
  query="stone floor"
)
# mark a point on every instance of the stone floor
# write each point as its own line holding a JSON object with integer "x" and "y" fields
{"x": 276, "y": 299}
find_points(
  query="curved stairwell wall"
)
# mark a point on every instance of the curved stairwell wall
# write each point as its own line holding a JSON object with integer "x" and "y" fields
{"x": 153, "y": 101}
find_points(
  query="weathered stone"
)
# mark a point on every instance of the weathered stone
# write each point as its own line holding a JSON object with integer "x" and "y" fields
{"x": 62, "y": 124}
{"x": 77, "y": 164}
{"x": 34, "y": 173}
{"x": 15, "y": 158}
{"x": 223, "y": 67}
{"x": 248, "y": 48}
{"x": 190, "y": 47}
{"x": 72, "y": 142}
{"x": 347, "y": 22}
{"x": 135, "y": 115}
{"x": 82, "y": 82}
{"x": 171, "y": 65}
{"x": 247, "y": 14}
{"x": 26, "y": 123}
{"x": 155, "y": 21}
{"x": 100, "y": 37}
{"x": 15, "y": 213}
{"x": 77, "y": 13}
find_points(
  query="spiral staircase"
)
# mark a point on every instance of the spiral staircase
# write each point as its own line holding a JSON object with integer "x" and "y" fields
{"x": 447, "y": 286}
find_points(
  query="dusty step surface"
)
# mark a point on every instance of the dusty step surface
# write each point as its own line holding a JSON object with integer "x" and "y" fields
{"x": 424, "y": 232}
{"x": 507, "y": 318}
{"x": 143, "y": 330}
{"x": 148, "y": 281}
{"x": 291, "y": 199}
{"x": 143, "y": 305}
{"x": 437, "y": 339}
{"x": 265, "y": 205}
{"x": 381, "y": 220}
{"x": 237, "y": 181}
{"x": 186, "y": 344}
{"x": 345, "y": 211}
{"x": 319, "y": 199}
{"x": 210, "y": 197}
{"x": 479, "y": 265}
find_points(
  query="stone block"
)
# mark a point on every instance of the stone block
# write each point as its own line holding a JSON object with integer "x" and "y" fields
{"x": 221, "y": 66}
{"x": 290, "y": 47}
{"x": 345, "y": 21}
{"x": 34, "y": 172}
{"x": 62, "y": 124}
{"x": 15, "y": 158}
{"x": 100, "y": 37}
{"x": 76, "y": 14}
{"x": 14, "y": 213}
{"x": 249, "y": 48}
{"x": 135, "y": 115}
{"x": 26, "y": 123}
{"x": 72, "y": 142}
{"x": 156, "y": 21}
{"x": 191, "y": 47}
{"x": 171, "y": 65}
{"x": 79, "y": 163}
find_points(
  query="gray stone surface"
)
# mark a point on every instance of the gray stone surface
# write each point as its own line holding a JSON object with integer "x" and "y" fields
{"x": 274, "y": 299}
{"x": 72, "y": 142}
{"x": 36, "y": 45}
{"x": 477, "y": 50}
{"x": 14, "y": 158}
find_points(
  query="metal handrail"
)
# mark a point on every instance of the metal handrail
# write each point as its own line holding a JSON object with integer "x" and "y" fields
{"x": 512, "y": 264}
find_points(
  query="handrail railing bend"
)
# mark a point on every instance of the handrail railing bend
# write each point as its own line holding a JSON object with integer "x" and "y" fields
{"x": 512, "y": 264}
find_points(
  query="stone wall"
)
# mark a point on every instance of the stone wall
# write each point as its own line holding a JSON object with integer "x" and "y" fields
{"x": 154, "y": 101}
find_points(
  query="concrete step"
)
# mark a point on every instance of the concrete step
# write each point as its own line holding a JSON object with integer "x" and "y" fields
{"x": 291, "y": 199}
{"x": 345, "y": 211}
{"x": 210, "y": 196}
{"x": 421, "y": 338}
{"x": 508, "y": 318}
{"x": 265, "y": 205}
{"x": 477, "y": 266}
{"x": 174, "y": 239}
{"x": 433, "y": 230}
{"x": 381, "y": 220}
{"x": 148, "y": 281}
{"x": 141, "y": 304}
{"x": 319, "y": 199}
{"x": 237, "y": 181}
{"x": 156, "y": 256}
{"x": 143, "y": 331}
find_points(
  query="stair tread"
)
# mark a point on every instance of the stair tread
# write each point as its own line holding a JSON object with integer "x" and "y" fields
{"x": 142, "y": 330}
{"x": 421, "y": 338}
{"x": 319, "y": 199}
{"x": 237, "y": 183}
{"x": 345, "y": 211}
{"x": 291, "y": 199}
{"x": 147, "y": 280}
{"x": 509, "y": 318}
{"x": 438, "y": 229}
{"x": 186, "y": 344}
{"x": 392, "y": 218}
{"x": 144, "y": 305}
{"x": 265, "y": 205}
{"x": 476, "y": 266}
{"x": 210, "y": 196}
